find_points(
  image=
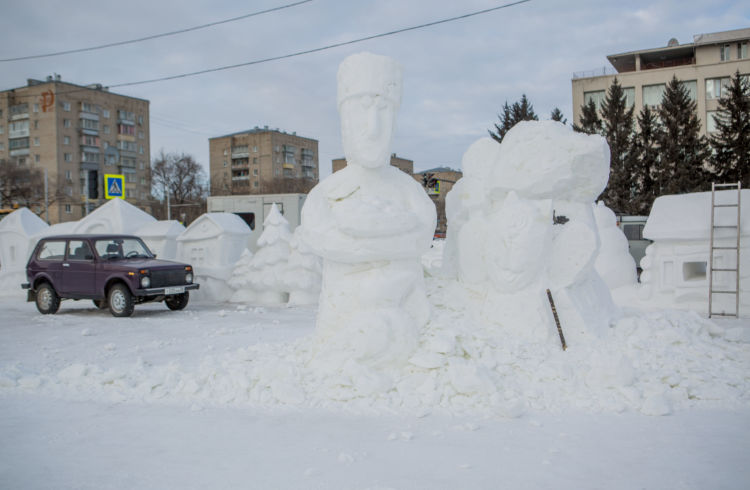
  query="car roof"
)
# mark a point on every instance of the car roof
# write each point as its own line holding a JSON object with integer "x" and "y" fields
{"x": 86, "y": 236}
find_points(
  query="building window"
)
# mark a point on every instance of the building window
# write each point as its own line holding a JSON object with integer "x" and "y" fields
{"x": 255, "y": 184}
{"x": 140, "y": 149}
{"x": 711, "y": 122}
{"x": 143, "y": 180}
{"x": 255, "y": 171}
{"x": 66, "y": 123}
{"x": 716, "y": 87}
{"x": 68, "y": 209}
{"x": 21, "y": 161}
{"x": 255, "y": 149}
{"x": 105, "y": 113}
{"x": 691, "y": 87}
{"x": 653, "y": 94}
{"x": 141, "y": 165}
{"x": 36, "y": 141}
{"x": 225, "y": 163}
{"x": 68, "y": 157}
{"x": 742, "y": 50}
{"x": 36, "y": 108}
{"x": 18, "y": 143}
{"x": 89, "y": 107}
{"x": 105, "y": 128}
{"x": 89, "y": 124}
{"x": 140, "y": 120}
{"x": 36, "y": 124}
{"x": 724, "y": 52}
{"x": 36, "y": 158}
{"x": 66, "y": 140}
{"x": 597, "y": 97}
{"x": 140, "y": 135}
{"x": 69, "y": 176}
{"x": 126, "y": 129}
{"x": 2, "y": 146}
{"x": 2, "y": 129}
{"x": 66, "y": 106}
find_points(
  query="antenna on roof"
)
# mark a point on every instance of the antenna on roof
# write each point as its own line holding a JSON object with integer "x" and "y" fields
{"x": 673, "y": 42}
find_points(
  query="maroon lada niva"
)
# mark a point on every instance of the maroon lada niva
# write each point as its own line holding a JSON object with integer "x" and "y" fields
{"x": 116, "y": 271}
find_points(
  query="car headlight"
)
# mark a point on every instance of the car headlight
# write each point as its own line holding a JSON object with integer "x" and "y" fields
{"x": 189, "y": 278}
{"x": 145, "y": 281}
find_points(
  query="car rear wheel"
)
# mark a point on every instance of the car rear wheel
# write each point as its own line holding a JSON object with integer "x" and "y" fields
{"x": 47, "y": 300}
{"x": 177, "y": 301}
{"x": 101, "y": 304}
{"x": 120, "y": 301}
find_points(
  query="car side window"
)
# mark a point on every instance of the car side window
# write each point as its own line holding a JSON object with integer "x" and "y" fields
{"x": 79, "y": 250}
{"x": 52, "y": 250}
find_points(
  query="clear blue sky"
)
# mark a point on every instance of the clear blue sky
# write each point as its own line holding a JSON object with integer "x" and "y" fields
{"x": 457, "y": 75}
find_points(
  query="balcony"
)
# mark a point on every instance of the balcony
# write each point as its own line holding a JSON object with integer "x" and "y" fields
{"x": 18, "y": 133}
{"x": 240, "y": 154}
{"x": 308, "y": 163}
{"x": 240, "y": 177}
{"x": 289, "y": 166}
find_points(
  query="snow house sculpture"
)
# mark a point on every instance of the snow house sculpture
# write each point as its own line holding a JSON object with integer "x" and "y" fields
{"x": 675, "y": 267}
{"x": 370, "y": 223}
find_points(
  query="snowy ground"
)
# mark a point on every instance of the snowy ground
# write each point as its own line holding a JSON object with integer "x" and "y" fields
{"x": 195, "y": 399}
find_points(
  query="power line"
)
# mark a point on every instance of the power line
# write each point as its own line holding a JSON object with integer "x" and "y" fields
{"x": 295, "y": 54}
{"x": 322, "y": 48}
{"x": 154, "y": 36}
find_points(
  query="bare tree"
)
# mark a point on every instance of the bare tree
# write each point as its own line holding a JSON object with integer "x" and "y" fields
{"x": 183, "y": 179}
{"x": 23, "y": 186}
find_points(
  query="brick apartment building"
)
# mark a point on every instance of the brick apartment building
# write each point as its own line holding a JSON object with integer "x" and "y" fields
{"x": 262, "y": 161}
{"x": 77, "y": 134}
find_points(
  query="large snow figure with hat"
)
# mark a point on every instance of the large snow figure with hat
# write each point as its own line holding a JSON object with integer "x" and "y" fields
{"x": 371, "y": 223}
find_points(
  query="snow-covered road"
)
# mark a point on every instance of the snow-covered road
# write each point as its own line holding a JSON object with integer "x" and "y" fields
{"x": 88, "y": 401}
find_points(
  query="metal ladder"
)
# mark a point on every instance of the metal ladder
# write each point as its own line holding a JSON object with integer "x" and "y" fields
{"x": 712, "y": 269}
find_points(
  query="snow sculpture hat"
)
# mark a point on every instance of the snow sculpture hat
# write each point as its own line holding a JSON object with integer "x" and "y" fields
{"x": 369, "y": 74}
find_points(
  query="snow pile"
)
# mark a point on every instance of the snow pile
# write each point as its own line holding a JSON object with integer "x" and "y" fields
{"x": 502, "y": 238}
{"x": 614, "y": 263}
{"x": 259, "y": 278}
{"x": 655, "y": 363}
{"x": 302, "y": 276}
{"x": 16, "y": 244}
{"x": 370, "y": 223}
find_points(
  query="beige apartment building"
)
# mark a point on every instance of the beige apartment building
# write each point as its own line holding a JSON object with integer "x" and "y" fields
{"x": 75, "y": 133}
{"x": 443, "y": 179}
{"x": 262, "y": 161}
{"x": 703, "y": 66}
{"x": 402, "y": 164}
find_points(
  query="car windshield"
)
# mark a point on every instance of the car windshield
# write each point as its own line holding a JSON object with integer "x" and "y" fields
{"x": 122, "y": 248}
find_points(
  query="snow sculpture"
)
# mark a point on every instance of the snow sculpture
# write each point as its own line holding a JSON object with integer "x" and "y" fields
{"x": 212, "y": 244}
{"x": 302, "y": 276}
{"x": 504, "y": 209}
{"x": 370, "y": 223}
{"x": 614, "y": 263}
{"x": 16, "y": 244}
{"x": 115, "y": 216}
{"x": 161, "y": 237}
{"x": 259, "y": 278}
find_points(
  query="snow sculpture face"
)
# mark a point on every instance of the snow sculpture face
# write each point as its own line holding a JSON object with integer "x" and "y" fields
{"x": 369, "y": 94}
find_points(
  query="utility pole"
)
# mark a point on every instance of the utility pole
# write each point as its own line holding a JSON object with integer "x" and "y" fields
{"x": 86, "y": 193}
{"x": 46, "y": 195}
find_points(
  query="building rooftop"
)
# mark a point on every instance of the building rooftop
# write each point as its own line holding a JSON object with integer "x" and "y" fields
{"x": 57, "y": 79}
{"x": 721, "y": 37}
{"x": 259, "y": 130}
{"x": 437, "y": 169}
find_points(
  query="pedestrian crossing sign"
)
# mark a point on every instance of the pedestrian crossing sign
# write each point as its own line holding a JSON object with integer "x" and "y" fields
{"x": 114, "y": 186}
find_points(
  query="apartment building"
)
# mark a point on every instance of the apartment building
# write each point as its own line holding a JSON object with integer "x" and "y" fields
{"x": 438, "y": 182}
{"x": 704, "y": 67}
{"x": 402, "y": 164}
{"x": 262, "y": 161}
{"x": 77, "y": 134}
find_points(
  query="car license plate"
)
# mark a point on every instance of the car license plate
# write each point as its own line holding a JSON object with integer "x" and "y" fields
{"x": 174, "y": 290}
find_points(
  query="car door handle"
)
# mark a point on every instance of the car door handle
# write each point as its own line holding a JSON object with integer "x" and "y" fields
{"x": 66, "y": 265}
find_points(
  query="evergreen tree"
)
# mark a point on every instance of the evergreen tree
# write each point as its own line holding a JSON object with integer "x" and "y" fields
{"x": 557, "y": 115}
{"x": 590, "y": 121}
{"x": 645, "y": 157}
{"x": 731, "y": 142}
{"x": 683, "y": 151}
{"x": 519, "y": 111}
{"x": 617, "y": 129}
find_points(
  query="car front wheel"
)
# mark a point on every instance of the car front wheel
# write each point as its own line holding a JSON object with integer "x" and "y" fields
{"x": 120, "y": 301}
{"x": 177, "y": 301}
{"x": 47, "y": 300}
